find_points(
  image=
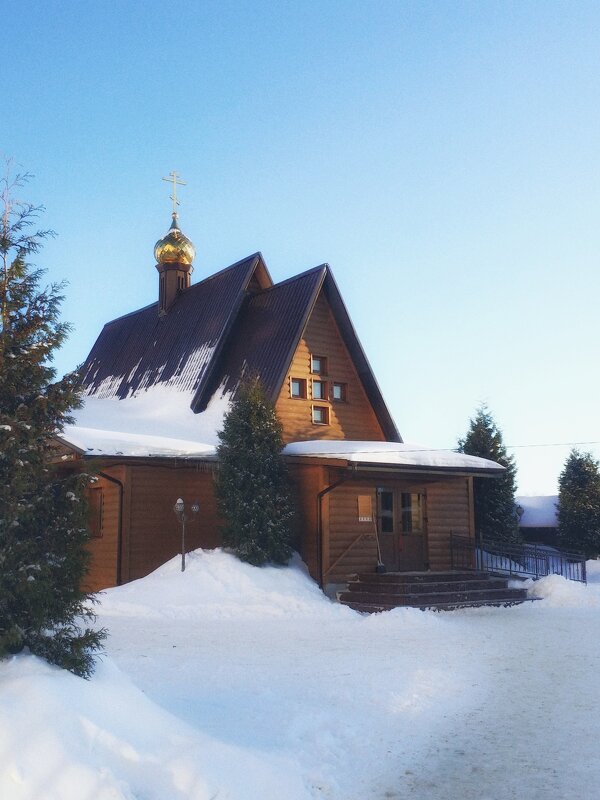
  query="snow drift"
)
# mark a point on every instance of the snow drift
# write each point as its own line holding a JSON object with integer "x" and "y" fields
{"x": 231, "y": 681}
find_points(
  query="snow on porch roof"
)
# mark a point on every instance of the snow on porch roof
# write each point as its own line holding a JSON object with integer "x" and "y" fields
{"x": 392, "y": 454}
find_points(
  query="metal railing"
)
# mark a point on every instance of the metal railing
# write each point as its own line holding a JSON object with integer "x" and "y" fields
{"x": 488, "y": 555}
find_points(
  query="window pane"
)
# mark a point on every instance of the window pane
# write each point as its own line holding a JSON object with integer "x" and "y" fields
{"x": 387, "y": 501}
{"x": 318, "y": 365}
{"x": 320, "y": 415}
{"x": 387, "y": 524}
{"x": 339, "y": 391}
{"x": 298, "y": 387}
{"x": 319, "y": 390}
{"x": 386, "y": 511}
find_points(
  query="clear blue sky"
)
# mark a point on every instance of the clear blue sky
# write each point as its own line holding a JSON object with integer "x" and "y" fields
{"x": 442, "y": 157}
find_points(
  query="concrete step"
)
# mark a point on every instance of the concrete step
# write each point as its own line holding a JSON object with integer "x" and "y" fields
{"x": 402, "y": 588}
{"x": 434, "y": 598}
{"x": 374, "y": 608}
{"x": 421, "y": 577}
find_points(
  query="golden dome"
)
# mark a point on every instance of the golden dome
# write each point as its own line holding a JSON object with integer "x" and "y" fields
{"x": 174, "y": 248}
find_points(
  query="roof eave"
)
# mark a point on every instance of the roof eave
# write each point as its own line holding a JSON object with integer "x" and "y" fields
{"x": 299, "y": 333}
{"x": 365, "y": 372}
{"x": 257, "y": 260}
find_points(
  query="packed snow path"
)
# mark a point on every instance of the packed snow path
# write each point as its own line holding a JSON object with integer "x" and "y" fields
{"x": 487, "y": 703}
{"x": 254, "y": 685}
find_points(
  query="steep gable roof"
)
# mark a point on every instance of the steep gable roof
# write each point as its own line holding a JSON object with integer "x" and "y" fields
{"x": 141, "y": 349}
{"x": 267, "y": 333}
{"x": 365, "y": 373}
{"x": 233, "y": 323}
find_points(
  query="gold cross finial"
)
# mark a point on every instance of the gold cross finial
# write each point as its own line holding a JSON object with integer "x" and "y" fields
{"x": 173, "y": 178}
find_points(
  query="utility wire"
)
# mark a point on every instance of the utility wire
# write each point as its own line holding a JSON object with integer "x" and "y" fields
{"x": 549, "y": 444}
{"x": 454, "y": 450}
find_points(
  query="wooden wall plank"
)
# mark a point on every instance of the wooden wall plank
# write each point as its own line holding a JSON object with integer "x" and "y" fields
{"x": 102, "y": 572}
{"x": 449, "y": 511}
{"x": 155, "y": 532}
{"x": 308, "y": 481}
{"x": 352, "y": 419}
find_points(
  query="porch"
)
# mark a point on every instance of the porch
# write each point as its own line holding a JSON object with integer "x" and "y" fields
{"x": 442, "y": 591}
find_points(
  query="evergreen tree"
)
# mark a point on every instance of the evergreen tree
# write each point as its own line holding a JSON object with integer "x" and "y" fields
{"x": 253, "y": 492}
{"x": 579, "y": 504}
{"x": 494, "y": 498}
{"x": 42, "y": 509}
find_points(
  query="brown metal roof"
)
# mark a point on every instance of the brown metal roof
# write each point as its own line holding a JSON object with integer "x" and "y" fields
{"x": 265, "y": 336}
{"x": 142, "y": 349}
{"x": 232, "y": 324}
{"x": 361, "y": 363}
{"x": 268, "y": 330}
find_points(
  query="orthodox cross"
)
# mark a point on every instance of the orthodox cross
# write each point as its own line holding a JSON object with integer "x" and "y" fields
{"x": 173, "y": 178}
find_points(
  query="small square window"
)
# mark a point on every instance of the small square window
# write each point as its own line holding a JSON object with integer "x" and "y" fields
{"x": 298, "y": 388}
{"x": 319, "y": 390}
{"x": 318, "y": 365}
{"x": 338, "y": 392}
{"x": 320, "y": 415}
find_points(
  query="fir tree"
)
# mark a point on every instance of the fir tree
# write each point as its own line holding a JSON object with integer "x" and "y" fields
{"x": 252, "y": 485}
{"x": 579, "y": 504}
{"x": 42, "y": 509}
{"x": 494, "y": 498}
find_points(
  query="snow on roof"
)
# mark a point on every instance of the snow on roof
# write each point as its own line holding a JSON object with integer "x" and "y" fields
{"x": 160, "y": 411}
{"x": 539, "y": 511}
{"x": 154, "y": 422}
{"x": 96, "y": 442}
{"x": 390, "y": 453}
{"x": 160, "y": 422}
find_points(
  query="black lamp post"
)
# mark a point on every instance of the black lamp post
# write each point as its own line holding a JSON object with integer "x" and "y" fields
{"x": 179, "y": 509}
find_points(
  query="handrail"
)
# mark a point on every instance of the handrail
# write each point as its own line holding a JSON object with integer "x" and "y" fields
{"x": 493, "y": 555}
{"x": 345, "y": 553}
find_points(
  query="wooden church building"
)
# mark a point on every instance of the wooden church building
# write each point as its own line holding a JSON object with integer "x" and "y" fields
{"x": 159, "y": 380}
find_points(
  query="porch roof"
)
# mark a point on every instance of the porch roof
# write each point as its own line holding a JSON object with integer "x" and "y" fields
{"x": 92, "y": 442}
{"x": 386, "y": 455}
{"x": 394, "y": 456}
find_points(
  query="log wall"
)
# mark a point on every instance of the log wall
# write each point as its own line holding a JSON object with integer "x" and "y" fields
{"x": 350, "y": 419}
{"x": 352, "y": 544}
{"x": 449, "y": 510}
{"x": 154, "y": 532}
{"x": 308, "y": 481}
{"x": 104, "y": 549}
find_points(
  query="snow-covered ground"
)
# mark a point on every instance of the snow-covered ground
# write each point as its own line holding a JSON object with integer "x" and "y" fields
{"x": 237, "y": 683}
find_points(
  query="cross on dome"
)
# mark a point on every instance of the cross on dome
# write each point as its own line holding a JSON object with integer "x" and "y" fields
{"x": 173, "y": 178}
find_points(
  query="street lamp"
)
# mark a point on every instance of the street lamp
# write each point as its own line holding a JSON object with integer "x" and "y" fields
{"x": 179, "y": 509}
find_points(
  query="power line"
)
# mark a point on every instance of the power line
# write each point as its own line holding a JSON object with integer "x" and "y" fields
{"x": 550, "y": 444}
{"x": 454, "y": 450}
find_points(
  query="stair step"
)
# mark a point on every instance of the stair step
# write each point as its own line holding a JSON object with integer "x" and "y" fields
{"x": 433, "y": 598}
{"x": 374, "y": 608}
{"x": 421, "y": 577}
{"x": 401, "y": 588}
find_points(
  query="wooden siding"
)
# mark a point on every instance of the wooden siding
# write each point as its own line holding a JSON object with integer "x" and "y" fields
{"x": 308, "y": 481}
{"x": 154, "y": 530}
{"x": 352, "y": 544}
{"x": 104, "y": 549}
{"x": 353, "y": 419}
{"x": 143, "y": 349}
{"x": 449, "y": 510}
{"x": 151, "y": 533}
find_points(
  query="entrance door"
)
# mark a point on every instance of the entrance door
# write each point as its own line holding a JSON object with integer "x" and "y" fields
{"x": 401, "y": 526}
